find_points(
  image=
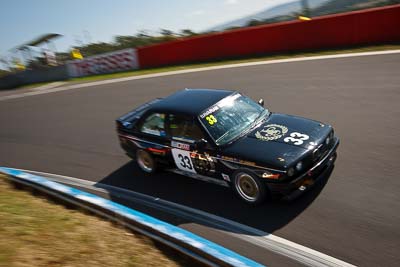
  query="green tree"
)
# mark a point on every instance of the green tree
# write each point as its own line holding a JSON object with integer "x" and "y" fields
{"x": 165, "y": 32}
{"x": 305, "y": 8}
{"x": 187, "y": 32}
{"x": 254, "y": 22}
{"x": 4, "y": 72}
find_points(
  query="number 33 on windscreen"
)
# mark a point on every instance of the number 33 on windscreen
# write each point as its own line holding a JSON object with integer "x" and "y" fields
{"x": 182, "y": 160}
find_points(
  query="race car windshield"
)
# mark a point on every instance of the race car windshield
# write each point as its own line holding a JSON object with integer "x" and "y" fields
{"x": 234, "y": 114}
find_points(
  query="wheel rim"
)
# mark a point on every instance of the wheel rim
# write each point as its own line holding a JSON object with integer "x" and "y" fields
{"x": 145, "y": 161}
{"x": 247, "y": 187}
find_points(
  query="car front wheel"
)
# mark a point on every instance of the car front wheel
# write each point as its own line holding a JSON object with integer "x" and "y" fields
{"x": 145, "y": 161}
{"x": 249, "y": 188}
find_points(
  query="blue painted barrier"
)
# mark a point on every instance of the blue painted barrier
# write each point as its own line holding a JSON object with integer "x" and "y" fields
{"x": 216, "y": 251}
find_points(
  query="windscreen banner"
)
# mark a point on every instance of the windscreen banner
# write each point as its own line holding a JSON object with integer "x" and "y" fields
{"x": 116, "y": 61}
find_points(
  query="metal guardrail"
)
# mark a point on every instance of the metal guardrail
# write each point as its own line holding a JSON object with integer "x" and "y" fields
{"x": 196, "y": 247}
{"x": 58, "y": 73}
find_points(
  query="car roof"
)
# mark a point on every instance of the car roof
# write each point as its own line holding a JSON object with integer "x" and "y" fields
{"x": 190, "y": 101}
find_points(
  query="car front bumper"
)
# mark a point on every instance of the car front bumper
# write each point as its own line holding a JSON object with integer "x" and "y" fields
{"x": 306, "y": 181}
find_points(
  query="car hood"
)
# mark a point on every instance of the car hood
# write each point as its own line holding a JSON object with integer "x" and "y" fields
{"x": 279, "y": 141}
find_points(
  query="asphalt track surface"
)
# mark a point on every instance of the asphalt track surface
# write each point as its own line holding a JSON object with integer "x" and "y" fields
{"x": 353, "y": 216}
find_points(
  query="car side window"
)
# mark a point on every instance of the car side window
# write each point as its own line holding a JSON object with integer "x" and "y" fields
{"x": 154, "y": 124}
{"x": 184, "y": 127}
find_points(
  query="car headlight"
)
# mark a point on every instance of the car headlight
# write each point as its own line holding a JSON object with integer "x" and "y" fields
{"x": 290, "y": 172}
{"x": 327, "y": 140}
{"x": 299, "y": 166}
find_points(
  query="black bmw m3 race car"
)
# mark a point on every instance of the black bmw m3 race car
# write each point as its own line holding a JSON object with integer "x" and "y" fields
{"x": 225, "y": 137}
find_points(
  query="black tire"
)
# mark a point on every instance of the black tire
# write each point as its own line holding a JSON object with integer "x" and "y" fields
{"x": 248, "y": 187}
{"x": 145, "y": 161}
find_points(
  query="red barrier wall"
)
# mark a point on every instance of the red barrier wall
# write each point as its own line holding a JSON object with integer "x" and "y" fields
{"x": 370, "y": 26}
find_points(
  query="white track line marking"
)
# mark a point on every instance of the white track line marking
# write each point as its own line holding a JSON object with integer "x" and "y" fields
{"x": 281, "y": 246}
{"x": 48, "y": 86}
{"x": 236, "y": 65}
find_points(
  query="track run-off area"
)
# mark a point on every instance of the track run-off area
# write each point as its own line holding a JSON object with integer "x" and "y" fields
{"x": 352, "y": 216}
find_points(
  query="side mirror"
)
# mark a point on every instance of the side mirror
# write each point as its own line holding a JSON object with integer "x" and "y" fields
{"x": 200, "y": 144}
{"x": 261, "y": 102}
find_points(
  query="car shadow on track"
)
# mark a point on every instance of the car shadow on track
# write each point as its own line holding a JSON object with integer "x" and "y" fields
{"x": 214, "y": 199}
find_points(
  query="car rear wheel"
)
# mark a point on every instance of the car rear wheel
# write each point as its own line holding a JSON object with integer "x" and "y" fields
{"x": 145, "y": 161}
{"x": 249, "y": 188}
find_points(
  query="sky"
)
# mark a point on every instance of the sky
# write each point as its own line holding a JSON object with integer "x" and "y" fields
{"x": 88, "y": 21}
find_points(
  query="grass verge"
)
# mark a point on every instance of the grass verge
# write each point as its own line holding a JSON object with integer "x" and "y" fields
{"x": 228, "y": 61}
{"x": 36, "y": 232}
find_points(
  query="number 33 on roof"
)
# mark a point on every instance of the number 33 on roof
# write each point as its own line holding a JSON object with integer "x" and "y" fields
{"x": 211, "y": 119}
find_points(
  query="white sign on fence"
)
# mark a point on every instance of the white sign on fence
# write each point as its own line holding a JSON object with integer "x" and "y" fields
{"x": 105, "y": 63}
